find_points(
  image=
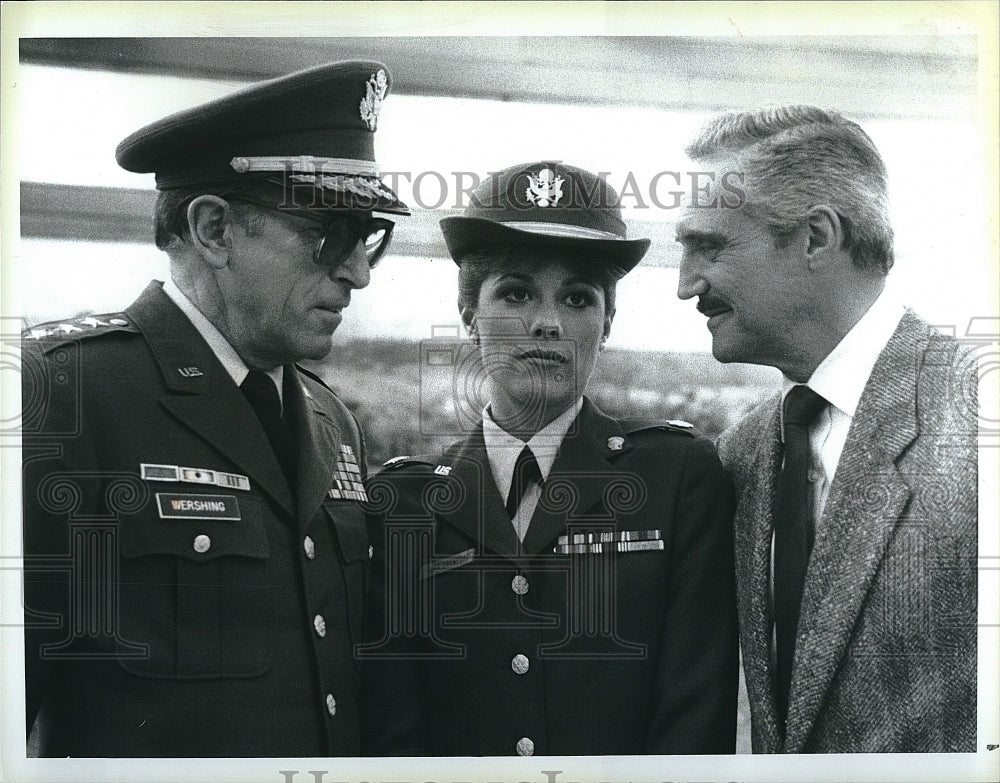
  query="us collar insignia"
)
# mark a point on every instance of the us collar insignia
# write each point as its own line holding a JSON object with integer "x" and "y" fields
{"x": 544, "y": 189}
{"x": 371, "y": 104}
{"x": 616, "y": 443}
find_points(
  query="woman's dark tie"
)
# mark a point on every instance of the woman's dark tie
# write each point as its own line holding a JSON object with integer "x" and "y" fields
{"x": 526, "y": 473}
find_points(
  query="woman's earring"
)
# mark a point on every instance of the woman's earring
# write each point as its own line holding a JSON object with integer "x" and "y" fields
{"x": 473, "y": 333}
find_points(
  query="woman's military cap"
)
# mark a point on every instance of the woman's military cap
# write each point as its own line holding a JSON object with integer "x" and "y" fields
{"x": 544, "y": 204}
{"x": 314, "y": 128}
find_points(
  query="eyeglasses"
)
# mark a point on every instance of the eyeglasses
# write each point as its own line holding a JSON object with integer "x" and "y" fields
{"x": 341, "y": 233}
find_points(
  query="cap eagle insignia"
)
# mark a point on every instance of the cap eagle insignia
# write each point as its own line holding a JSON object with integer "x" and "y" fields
{"x": 371, "y": 104}
{"x": 544, "y": 189}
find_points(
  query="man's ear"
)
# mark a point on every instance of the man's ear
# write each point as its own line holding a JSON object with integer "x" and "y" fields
{"x": 607, "y": 324}
{"x": 824, "y": 235}
{"x": 209, "y": 229}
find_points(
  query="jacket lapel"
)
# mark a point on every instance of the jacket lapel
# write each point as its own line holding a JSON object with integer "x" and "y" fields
{"x": 480, "y": 512}
{"x": 867, "y": 498}
{"x": 753, "y": 532}
{"x": 583, "y": 455}
{"x": 318, "y": 439}
{"x": 202, "y": 395}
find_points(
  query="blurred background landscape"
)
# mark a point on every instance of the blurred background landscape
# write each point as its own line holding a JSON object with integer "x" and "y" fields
{"x": 404, "y": 409}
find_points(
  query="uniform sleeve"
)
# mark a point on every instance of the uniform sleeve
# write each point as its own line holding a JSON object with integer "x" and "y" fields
{"x": 697, "y": 676}
{"x": 59, "y": 478}
{"x": 392, "y": 704}
{"x": 44, "y": 589}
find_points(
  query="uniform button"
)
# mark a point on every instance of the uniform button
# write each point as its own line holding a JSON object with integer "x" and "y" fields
{"x": 202, "y": 544}
{"x": 519, "y": 584}
{"x": 520, "y": 664}
{"x": 815, "y": 475}
{"x": 331, "y": 704}
{"x": 310, "y": 547}
{"x": 320, "y": 625}
{"x": 371, "y": 551}
{"x": 525, "y": 747}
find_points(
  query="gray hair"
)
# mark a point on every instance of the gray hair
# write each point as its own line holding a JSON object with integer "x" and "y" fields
{"x": 170, "y": 213}
{"x": 796, "y": 157}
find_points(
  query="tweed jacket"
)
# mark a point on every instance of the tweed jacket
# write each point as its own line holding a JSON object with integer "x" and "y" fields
{"x": 482, "y": 646}
{"x": 181, "y": 599}
{"x": 885, "y": 659}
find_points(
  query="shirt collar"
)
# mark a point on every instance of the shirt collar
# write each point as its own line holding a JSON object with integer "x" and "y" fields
{"x": 841, "y": 377}
{"x": 502, "y": 448}
{"x": 221, "y": 347}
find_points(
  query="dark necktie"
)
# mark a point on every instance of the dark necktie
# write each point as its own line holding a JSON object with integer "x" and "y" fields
{"x": 262, "y": 395}
{"x": 526, "y": 473}
{"x": 793, "y": 531}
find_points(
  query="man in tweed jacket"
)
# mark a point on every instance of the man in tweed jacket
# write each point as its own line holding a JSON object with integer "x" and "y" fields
{"x": 787, "y": 253}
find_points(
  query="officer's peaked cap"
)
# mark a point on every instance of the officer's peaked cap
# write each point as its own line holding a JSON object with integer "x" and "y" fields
{"x": 314, "y": 127}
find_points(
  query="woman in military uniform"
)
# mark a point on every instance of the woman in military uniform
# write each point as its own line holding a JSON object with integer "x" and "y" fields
{"x": 557, "y": 582}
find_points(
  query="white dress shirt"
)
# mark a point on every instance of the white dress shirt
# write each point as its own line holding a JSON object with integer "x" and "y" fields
{"x": 220, "y": 346}
{"x": 840, "y": 379}
{"x": 502, "y": 450}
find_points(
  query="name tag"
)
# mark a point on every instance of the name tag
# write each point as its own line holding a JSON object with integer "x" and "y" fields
{"x": 174, "y": 506}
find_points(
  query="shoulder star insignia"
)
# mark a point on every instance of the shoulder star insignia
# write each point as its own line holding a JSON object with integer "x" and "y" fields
{"x": 92, "y": 322}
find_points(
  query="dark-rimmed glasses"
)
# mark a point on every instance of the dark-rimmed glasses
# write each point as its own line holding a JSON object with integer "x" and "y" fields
{"x": 341, "y": 233}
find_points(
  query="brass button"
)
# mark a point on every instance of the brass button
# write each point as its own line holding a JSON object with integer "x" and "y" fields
{"x": 331, "y": 704}
{"x": 525, "y": 747}
{"x": 320, "y": 625}
{"x": 202, "y": 544}
{"x": 371, "y": 552}
{"x": 310, "y": 547}
{"x": 519, "y": 584}
{"x": 520, "y": 664}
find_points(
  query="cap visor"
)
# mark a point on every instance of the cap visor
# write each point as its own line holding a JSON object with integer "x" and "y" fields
{"x": 464, "y": 235}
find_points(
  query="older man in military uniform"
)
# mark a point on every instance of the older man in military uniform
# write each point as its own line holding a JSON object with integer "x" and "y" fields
{"x": 196, "y": 555}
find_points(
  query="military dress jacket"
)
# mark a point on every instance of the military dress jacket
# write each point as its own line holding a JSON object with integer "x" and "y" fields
{"x": 885, "y": 659}
{"x": 180, "y": 598}
{"x": 610, "y": 630}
